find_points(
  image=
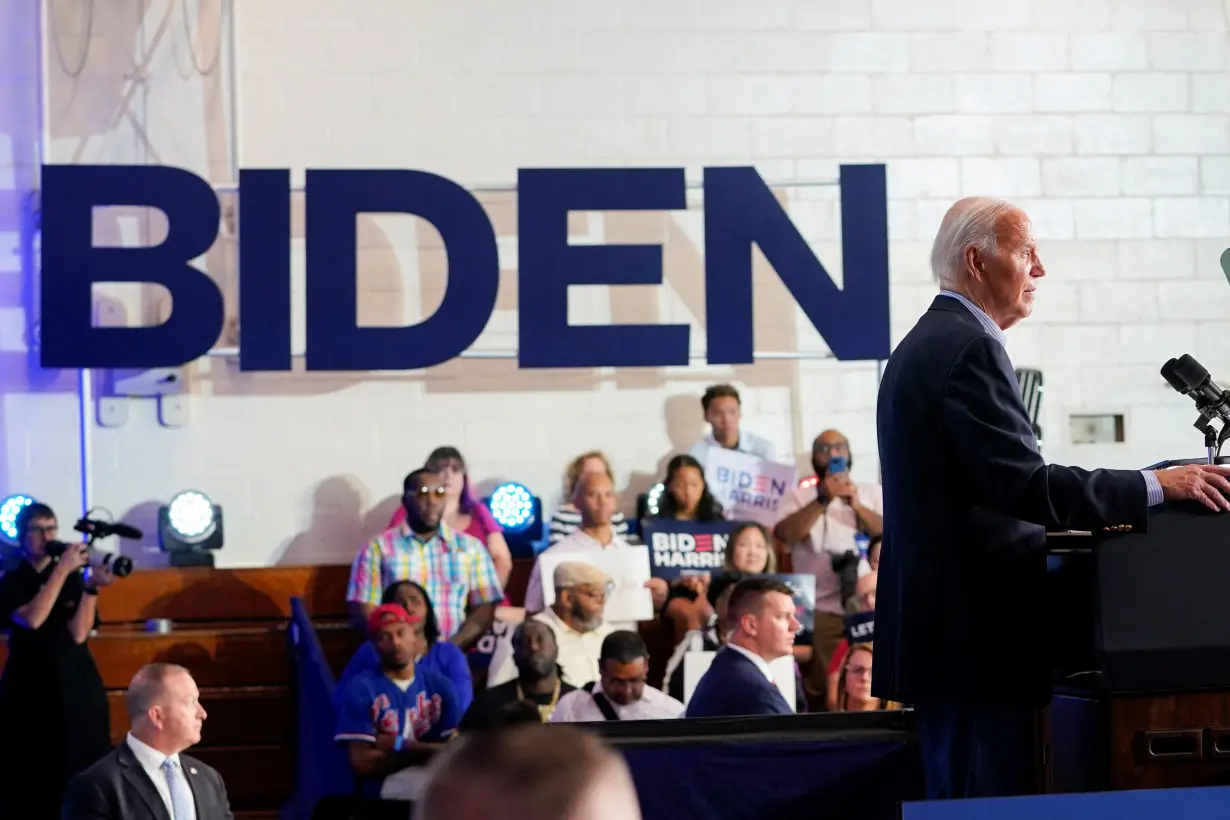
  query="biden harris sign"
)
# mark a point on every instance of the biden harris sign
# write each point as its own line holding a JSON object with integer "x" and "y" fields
{"x": 740, "y": 212}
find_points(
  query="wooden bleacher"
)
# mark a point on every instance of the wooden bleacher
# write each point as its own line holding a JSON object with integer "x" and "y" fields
{"x": 230, "y": 632}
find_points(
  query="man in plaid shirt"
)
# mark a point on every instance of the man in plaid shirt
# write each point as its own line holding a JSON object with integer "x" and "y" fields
{"x": 453, "y": 567}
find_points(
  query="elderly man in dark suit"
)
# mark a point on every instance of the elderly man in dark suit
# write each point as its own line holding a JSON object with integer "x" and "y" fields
{"x": 147, "y": 777}
{"x": 967, "y": 502}
{"x": 740, "y": 681}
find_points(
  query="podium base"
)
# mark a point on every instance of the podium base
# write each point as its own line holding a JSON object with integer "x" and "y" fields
{"x": 1099, "y": 742}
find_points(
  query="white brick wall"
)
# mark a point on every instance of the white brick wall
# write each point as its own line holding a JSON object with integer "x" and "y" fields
{"x": 1109, "y": 120}
{"x": 39, "y": 443}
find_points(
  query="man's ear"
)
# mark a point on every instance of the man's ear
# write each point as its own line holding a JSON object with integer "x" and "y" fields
{"x": 974, "y": 265}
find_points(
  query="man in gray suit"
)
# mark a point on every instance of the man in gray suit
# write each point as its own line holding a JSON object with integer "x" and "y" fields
{"x": 146, "y": 777}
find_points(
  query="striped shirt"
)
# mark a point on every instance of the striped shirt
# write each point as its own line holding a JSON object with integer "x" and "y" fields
{"x": 1152, "y": 487}
{"x": 453, "y": 567}
{"x": 567, "y": 520}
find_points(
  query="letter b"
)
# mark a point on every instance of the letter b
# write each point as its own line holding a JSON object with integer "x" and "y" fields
{"x": 71, "y": 265}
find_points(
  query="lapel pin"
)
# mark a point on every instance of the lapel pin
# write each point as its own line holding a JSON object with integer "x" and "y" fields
{"x": 191, "y": 770}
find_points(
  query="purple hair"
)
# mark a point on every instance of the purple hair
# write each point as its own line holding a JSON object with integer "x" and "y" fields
{"x": 467, "y": 503}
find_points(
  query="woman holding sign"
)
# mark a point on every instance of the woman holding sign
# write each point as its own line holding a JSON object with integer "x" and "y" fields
{"x": 747, "y": 553}
{"x": 687, "y": 496}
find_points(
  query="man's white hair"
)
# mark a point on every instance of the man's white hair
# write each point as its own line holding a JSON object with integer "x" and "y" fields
{"x": 969, "y": 222}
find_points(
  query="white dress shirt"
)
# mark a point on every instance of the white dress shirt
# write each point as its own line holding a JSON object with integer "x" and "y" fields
{"x": 579, "y": 707}
{"x": 151, "y": 761}
{"x": 578, "y": 542}
{"x": 578, "y": 652}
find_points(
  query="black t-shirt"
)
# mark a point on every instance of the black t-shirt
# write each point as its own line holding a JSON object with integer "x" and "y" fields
{"x": 485, "y": 709}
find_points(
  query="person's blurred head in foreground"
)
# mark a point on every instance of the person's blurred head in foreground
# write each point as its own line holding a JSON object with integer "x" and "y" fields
{"x": 530, "y": 772}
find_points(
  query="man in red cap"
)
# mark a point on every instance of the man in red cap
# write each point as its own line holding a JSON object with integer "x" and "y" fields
{"x": 397, "y": 716}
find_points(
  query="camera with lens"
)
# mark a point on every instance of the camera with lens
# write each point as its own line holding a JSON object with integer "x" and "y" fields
{"x": 845, "y": 566}
{"x": 121, "y": 565}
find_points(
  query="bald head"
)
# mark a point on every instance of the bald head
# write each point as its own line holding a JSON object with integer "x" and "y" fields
{"x": 594, "y": 498}
{"x": 529, "y": 772}
{"x": 147, "y": 688}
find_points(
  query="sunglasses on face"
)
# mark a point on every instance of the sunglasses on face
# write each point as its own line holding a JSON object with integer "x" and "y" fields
{"x": 427, "y": 492}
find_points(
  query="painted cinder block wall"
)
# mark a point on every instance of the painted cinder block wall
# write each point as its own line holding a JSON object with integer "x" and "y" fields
{"x": 1108, "y": 120}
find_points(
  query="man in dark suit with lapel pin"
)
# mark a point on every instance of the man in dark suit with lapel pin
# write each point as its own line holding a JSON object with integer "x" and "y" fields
{"x": 968, "y": 500}
{"x": 147, "y": 777}
{"x": 739, "y": 681}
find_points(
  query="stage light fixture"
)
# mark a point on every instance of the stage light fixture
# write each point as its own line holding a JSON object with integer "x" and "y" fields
{"x": 189, "y": 528}
{"x": 519, "y": 512}
{"x": 9, "y": 510}
{"x": 512, "y": 506}
{"x": 653, "y": 499}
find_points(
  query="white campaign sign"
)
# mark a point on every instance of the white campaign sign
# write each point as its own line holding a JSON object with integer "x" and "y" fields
{"x": 748, "y": 488}
{"x": 628, "y": 567}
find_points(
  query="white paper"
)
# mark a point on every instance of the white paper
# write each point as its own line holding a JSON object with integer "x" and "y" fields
{"x": 628, "y": 567}
{"x": 696, "y": 664}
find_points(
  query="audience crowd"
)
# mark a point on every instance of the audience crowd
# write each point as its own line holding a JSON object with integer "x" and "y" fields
{"x": 449, "y": 653}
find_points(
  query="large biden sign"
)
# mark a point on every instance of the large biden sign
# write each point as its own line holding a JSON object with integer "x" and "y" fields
{"x": 740, "y": 211}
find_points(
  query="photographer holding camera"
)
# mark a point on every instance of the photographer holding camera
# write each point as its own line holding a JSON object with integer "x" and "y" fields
{"x": 54, "y": 719}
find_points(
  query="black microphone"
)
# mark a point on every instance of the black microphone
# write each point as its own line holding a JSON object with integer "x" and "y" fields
{"x": 101, "y": 529}
{"x": 1190, "y": 378}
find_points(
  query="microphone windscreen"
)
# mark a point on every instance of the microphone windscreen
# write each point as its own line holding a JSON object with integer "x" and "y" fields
{"x": 1171, "y": 377}
{"x": 1191, "y": 372}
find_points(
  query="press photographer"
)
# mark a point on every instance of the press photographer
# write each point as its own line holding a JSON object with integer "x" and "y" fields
{"x": 54, "y": 719}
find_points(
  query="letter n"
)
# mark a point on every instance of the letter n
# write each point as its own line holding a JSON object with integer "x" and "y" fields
{"x": 741, "y": 211}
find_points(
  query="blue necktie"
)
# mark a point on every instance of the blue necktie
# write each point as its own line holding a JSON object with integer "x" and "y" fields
{"x": 181, "y": 794}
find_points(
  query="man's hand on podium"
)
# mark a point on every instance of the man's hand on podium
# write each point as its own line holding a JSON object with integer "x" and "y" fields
{"x": 1206, "y": 483}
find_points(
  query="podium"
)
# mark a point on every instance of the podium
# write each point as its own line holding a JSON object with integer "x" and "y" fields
{"x": 1142, "y": 655}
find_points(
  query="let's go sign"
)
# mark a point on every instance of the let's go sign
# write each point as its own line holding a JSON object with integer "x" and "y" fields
{"x": 739, "y": 211}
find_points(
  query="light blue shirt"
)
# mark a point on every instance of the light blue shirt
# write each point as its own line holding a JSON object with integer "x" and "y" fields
{"x": 1152, "y": 486}
{"x": 749, "y": 443}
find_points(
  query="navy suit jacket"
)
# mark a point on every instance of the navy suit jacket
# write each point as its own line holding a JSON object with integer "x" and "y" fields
{"x": 734, "y": 686}
{"x": 117, "y": 788}
{"x": 961, "y": 607}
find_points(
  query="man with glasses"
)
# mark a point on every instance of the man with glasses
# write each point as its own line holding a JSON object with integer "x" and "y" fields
{"x": 620, "y": 692}
{"x": 454, "y": 568}
{"x": 821, "y": 522}
{"x": 578, "y": 619}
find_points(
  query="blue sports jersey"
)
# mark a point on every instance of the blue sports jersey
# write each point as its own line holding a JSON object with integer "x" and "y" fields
{"x": 372, "y": 704}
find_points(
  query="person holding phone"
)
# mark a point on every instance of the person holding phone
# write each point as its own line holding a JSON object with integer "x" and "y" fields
{"x": 822, "y": 522}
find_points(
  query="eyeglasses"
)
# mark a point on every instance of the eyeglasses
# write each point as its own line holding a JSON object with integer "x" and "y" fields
{"x": 859, "y": 671}
{"x": 426, "y": 492}
{"x": 840, "y": 446}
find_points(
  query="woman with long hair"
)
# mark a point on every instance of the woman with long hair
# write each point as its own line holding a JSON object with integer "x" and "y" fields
{"x": 854, "y": 685}
{"x": 463, "y": 512}
{"x": 441, "y": 657}
{"x": 687, "y": 496}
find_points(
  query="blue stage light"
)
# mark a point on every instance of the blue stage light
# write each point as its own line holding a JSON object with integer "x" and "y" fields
{"x": 9, "y": 509}
{"x": 512, "y": 506}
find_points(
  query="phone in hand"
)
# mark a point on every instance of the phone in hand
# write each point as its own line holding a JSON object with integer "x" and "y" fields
{"x": 837, "y": 464}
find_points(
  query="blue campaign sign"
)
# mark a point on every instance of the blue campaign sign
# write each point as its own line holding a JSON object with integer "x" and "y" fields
{"x": 740, "y": 212}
